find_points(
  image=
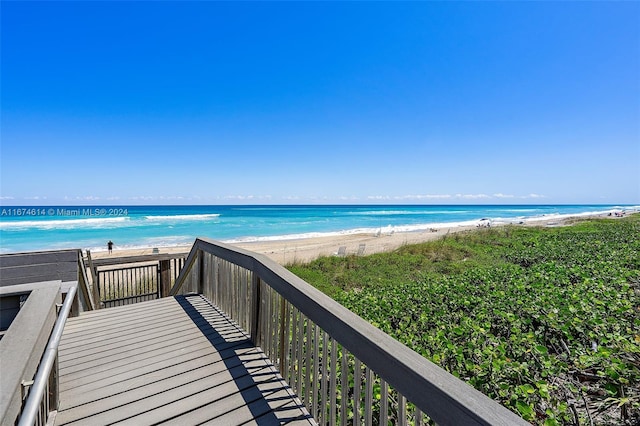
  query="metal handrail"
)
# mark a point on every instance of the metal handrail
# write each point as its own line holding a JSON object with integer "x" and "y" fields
{"x": 36, "y": 392}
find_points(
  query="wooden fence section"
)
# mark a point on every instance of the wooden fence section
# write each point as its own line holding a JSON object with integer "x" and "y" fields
{"x": 32, "y": 267}
{"x": 342, "y": 368}
{"x": 127, "y": 285}
{"x": 126, "y": 280}
{"x": 41, "y": 266}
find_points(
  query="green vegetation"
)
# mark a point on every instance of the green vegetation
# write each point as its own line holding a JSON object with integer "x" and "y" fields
{"x": 546, "y": 321}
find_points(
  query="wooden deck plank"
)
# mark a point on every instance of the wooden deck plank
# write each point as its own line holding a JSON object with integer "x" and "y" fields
{"x": 126, "y": 380}
{"x": 111, "y": 327}
{"x": 103, "y": 407}
{"x": 236, "y": 409}
{"x": 136, "y": 308}
{"x": 220, "y": 403}
{"x": 153, "y": 353}
{"x": 176, "y": 360}
{"x": 132, "y": 340}
{"x": 127, "y": 337}
{"x": 122, "y": 352}
{"x": 267, "y": 403}
{"x": 145, "y": 326}
{"x": 165, "y": 357}
{"x": 126, "y": 320}
{"x": 98, "y": 318}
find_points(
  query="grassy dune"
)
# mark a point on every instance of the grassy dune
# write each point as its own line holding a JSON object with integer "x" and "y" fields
{"x": 544, "y": 320}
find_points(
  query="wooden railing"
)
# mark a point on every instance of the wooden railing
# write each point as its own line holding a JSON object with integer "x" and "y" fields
{"x": 131, "y": 279}
{"x": 342, "y": 368}
{"x": 29, "y": 351}
{"x": 40, "y": 266}
{"x": 43, "y": 395}
{"x": 42, "y": 289}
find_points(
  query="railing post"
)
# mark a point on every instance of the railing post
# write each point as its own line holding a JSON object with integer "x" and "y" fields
{"x": 94, "y": 281}
{"x": 282, "y": 324}
{"x": 165, "y": 277}
{"x": 255, "y": 308}
{"x": 54, "y": 386}
{"x": 200, "y": 276}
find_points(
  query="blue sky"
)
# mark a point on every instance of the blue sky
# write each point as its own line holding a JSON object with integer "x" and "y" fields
{"x": 323, "y": 102}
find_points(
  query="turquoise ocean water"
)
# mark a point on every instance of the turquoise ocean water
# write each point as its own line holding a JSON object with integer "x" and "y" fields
{"x": 90, "y": 227}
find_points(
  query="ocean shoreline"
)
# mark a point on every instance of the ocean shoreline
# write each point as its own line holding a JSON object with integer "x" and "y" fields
{"x": 302, "y": 250}
{"x": 285, "y": 227}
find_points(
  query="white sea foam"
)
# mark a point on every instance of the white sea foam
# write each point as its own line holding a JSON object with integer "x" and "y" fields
{"x": 207, "y": 224}
{"x": 385, "y": 213}
{"x": 184, "y": 217}
{"x": 404, "y": 212}
{"x": 64, "y": 223}
{"x": 561, "y": 216}
{"x": 145, "y": 243}
{"x": 389, "y": 229}
{"x": 519, "y": 210}
{"x": 628, "y": 208}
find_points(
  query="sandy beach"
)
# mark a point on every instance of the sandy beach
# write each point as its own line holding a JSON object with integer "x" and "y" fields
{"x": 307, "y": 249}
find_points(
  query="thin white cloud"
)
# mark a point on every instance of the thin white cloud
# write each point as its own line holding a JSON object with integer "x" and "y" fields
{"x": 247, "y": 197}
{"x": 174, "y": 197}
{"x": 472, "y": 196}
{"x": 413, "y": 197}
{"x": 433, "y": 196}
{"x": 297, "y": 198}
{"x": 497, "y": 195}
{"x": 240, "y": 198}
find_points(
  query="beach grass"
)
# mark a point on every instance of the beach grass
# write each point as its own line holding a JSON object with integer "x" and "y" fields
{"x": 544, "y": 320}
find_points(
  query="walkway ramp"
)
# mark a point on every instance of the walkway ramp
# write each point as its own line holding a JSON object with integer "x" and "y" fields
{"x": 175, "y": 360}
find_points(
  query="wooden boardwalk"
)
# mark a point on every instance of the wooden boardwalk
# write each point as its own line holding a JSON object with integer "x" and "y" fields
{"x": 174, "y": 361}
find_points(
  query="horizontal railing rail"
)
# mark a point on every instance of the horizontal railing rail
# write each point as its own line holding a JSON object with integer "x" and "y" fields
{"x": 342, "y": 368}
{"x": 119, "y": 260}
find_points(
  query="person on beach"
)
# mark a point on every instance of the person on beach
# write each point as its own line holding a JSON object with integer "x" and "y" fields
{"x": 110, "y": 246}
